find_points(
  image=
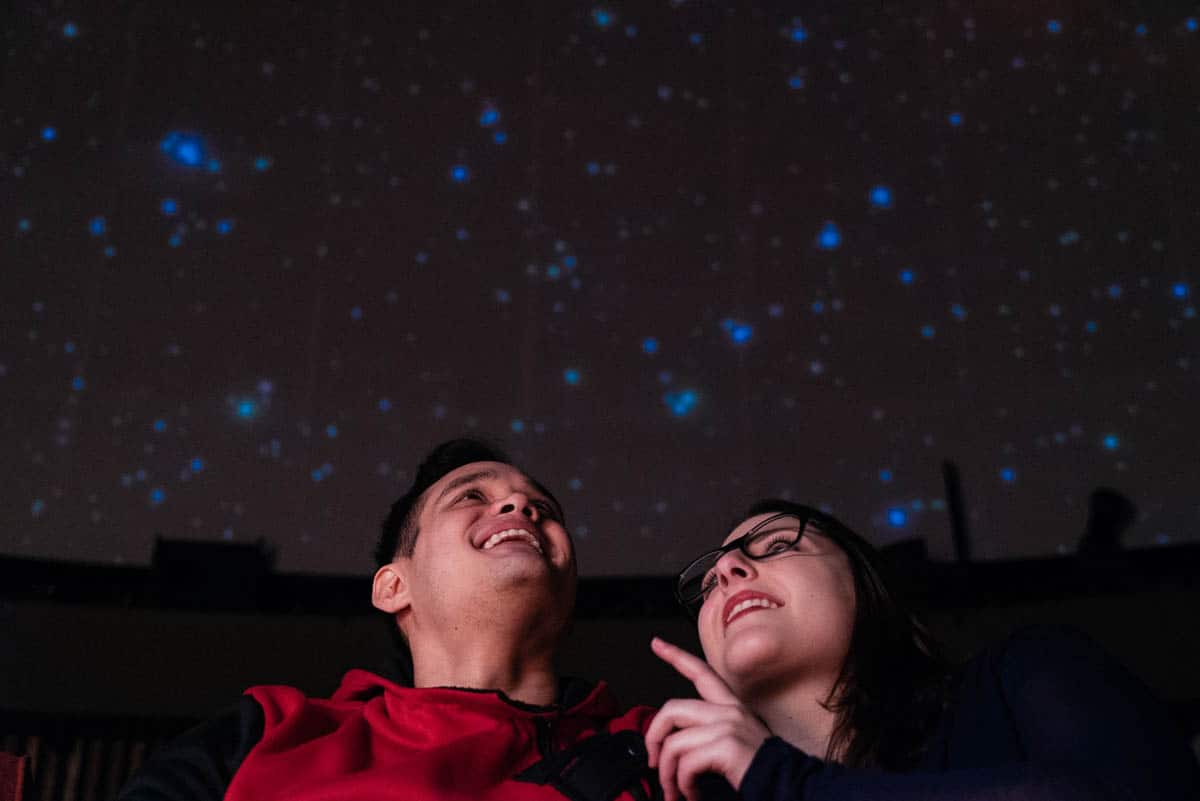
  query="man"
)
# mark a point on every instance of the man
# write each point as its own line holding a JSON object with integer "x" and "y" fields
{"x": 478, "y": 571}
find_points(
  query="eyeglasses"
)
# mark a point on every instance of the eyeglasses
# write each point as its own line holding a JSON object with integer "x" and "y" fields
{"x": 775, "y": 535}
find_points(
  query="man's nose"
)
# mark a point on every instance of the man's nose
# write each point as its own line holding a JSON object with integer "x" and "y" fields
{"x": 517, "y": 502}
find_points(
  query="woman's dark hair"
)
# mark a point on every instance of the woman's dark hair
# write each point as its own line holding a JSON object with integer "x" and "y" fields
{"x": 891, "y": 690}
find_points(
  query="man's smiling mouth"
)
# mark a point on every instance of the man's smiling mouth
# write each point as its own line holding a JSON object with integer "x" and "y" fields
{"x": 511, "y": 534}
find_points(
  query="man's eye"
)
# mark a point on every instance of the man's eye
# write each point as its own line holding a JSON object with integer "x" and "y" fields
{"x": 545, "y": 510}
{"x": 472, "y": 494}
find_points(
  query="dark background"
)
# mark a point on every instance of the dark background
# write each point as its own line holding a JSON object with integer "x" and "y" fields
{"x": 260, "y": 256}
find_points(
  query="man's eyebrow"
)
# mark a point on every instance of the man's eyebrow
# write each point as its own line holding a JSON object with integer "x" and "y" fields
{"x": 469, "y": 478}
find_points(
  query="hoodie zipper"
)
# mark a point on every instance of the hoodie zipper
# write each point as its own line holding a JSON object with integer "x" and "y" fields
{"x": 544, "y": 729}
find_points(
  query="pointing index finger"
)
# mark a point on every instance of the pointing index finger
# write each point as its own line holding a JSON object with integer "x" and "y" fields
{"x": 708, "y": 684}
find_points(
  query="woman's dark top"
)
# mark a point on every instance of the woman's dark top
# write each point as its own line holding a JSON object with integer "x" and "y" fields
{"x": 1046, "y": 715}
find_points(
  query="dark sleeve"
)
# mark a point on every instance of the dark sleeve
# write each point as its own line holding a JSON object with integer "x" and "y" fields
{"x": 199, "y": 764}
{"x": 1088, "y": 729}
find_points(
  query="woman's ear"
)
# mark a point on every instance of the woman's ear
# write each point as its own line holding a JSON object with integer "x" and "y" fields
{"x": 389, "y": 589}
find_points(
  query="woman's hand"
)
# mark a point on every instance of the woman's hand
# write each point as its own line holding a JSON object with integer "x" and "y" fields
{"x": 716, "y": 734}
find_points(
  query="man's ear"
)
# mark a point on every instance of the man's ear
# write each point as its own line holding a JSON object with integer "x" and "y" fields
{"x": 389, "y": 590}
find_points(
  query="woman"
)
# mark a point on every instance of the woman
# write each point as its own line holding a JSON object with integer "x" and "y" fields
{"x": 819, "y": 685}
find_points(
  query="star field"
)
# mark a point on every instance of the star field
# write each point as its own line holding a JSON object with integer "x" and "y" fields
{"x": 257, "y": 259}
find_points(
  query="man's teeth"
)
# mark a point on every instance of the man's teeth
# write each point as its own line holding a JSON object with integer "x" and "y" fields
{"x": 749, "y": 603}
{"x": 511, "y": 534}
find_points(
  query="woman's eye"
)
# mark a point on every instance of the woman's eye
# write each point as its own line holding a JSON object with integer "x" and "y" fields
{"x": 710, "y": 581}
{"x": 471, "y": 494}
{"x": 545, "y": 510}
{"x": 779, "y": 545}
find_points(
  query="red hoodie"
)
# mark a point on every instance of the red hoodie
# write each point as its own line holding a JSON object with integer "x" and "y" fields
{"x": 377, "y": 740}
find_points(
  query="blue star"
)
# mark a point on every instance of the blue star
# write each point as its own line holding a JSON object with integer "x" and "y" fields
{"x": 1180, "y": 290}
{"x": 1111, "y": 442}
{"x": 97, "y": 226}
{"x": 37, "y": 507}
{"x": 169, "y": 206}
{"x": 157, "y": 496}
{"x": 681, "y": 403}
{"x": 1008, "y": 475}
{"x": 795, "y": 82}
{"x": 1191, "y": 24}
{"x": 70, "y": 30}
{"x": 331, "y": 431}
{"x": 489, "y": 116}
{"x": 517, "y": 426}
{"x": 955, "y": 118}
{"x": 885, "y": 475}
{"x": 739, "y": 332}
{"x": 160, "y": 425}
{"x": 897, "y": 517}
{"x": 572, "y": 376}
{"x": 881, "y": 197}
{"x": 603, "y": 18}
{"x": 245, "y": 408}
{"x": 78, "y": 383}
{"x": 650, "y": 346}
{"x": 907, "y": 276}
{"x": 385, "y": 405}
{"x": 798, "y": 34}
{"x": 263, "y": 163}
{"x": 224, "y": 226}
{"x": 196, "y": 465}
{"x": 928, "y": 331}
{"x": 49, "y": 133}
{"x": 184, "y": 148}
{"x": 1054, "y": 26}
{"x": 24, "y": 225}
{"x": 829, "y": 237}
{"x": 499, "y": 137}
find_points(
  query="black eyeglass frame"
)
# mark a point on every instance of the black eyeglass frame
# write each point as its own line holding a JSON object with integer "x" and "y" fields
{"x": 825, "y": 524}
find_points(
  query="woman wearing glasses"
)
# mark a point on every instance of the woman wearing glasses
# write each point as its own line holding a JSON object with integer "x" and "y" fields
{"x": 820, "y": 685}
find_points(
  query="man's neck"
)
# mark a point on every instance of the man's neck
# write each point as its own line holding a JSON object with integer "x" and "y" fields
{"x": 517, "y": 664}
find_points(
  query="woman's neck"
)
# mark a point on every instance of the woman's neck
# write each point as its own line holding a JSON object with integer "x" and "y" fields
{"x": 798, "y": 713}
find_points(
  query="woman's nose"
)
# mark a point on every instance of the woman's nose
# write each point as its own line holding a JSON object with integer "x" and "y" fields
{"x": 734, "y": 565}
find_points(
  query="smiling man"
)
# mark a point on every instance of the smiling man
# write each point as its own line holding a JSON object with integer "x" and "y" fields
{"x": 477, "y": 570}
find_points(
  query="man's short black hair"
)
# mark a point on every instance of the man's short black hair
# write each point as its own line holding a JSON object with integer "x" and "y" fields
{"x": 398, "y": 536}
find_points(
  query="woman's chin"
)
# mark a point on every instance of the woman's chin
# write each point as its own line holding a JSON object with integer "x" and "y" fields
{"x": 752, "y": 656}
